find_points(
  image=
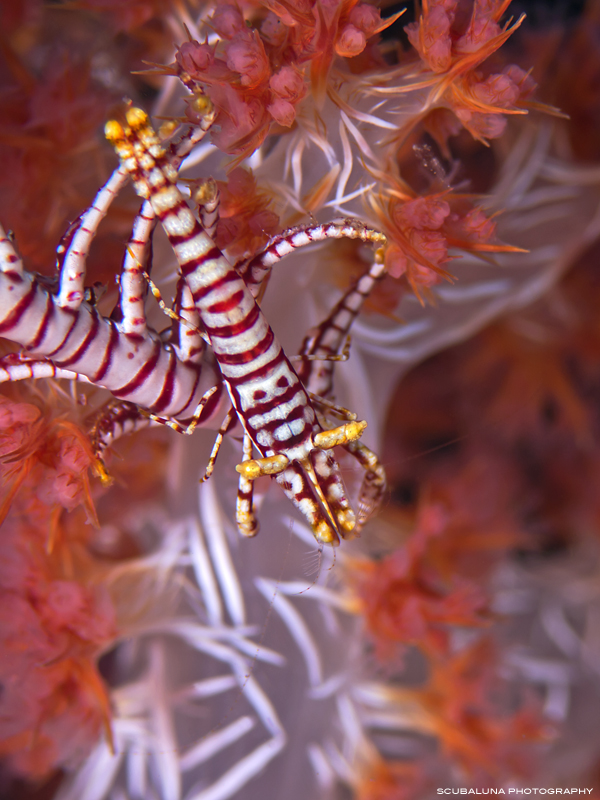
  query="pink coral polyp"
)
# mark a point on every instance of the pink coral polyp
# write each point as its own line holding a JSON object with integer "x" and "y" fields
{"x": 396, "y": 261}
{"x": 351, "y": 42}
{"x": 434, "y": 247}
{"x": 431, "y": 38}
{"x": 246, "y": 55}
{"x": 366, "y": 18}
{"x": 481, "y": 30}
{"x": 242, "y": 120}
{"x": 476, "y": 226}
{"x": 497, "y": 90}
{"x": 12, "y": 414}
{"x": 194, "y": 58}
{"x": 482, "y": 126}
{"x": 227, "y": 21}
{"x": 282, "y": 112}
{"x": 288, "y": 84}
{"x": 273, "y": 30}
{"x": 424, "y": 212}
{"x": 85, "y": 612}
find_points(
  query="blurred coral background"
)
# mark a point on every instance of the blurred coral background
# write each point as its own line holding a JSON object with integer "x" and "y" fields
{"x": 147, "y": 651}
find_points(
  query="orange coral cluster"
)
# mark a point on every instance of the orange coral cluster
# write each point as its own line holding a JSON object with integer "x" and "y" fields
{"x": 49, "y": 126}
{"x": 436, "y": 584}
{"x": 407, "y": 599}
{"x": 462, "y": 705}
{"x": 423, "y": 230}
{"x": 257, "y": 76}
{"x": 390, "y": 780}
{"x": 493, "y": 448}
{"x": 523, "y": 397}
{"x": 269, "y": 57}
{"x": 453, "y": 41}
{"x": 55, "y": 615}
{"x": 246, "y": 220}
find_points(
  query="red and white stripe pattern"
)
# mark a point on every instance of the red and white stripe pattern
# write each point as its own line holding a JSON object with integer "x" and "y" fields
{"x": 254, "y": 270}
{"x": 79, "y": 343}
{"x": 322, "y": 345}
{"x": 73, "y": 254}
{"x": 65, "y": 336}
{"x": 328, "y": 338}
{"x": 266, "y": 393}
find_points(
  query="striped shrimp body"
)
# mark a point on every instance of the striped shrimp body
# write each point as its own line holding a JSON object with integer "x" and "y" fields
{"x": 322, "y": 346}
{"x": 269, "y": 398}
{"x": 64, "y": 335}
{"x": 79, "y": 343}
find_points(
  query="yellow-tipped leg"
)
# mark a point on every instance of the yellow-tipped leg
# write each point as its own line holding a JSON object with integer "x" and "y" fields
{"x": 374, "y": 483}
{"x": 244, "y": 509}
{"x": 324, "y": 533}
{"x": 206, "y": 192}
{"x": 136, "y": 118}
{"x": 256, "y": 467}
{"x": 114, "y": 132}
{"x": 342, "y": 435}
{"x": 99, "y": 469}
{"x": 346, "y": 519}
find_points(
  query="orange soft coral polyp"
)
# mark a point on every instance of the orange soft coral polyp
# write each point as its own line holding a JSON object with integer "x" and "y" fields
{"x": 55, "y": 618}
{"x": 257, "y": 77}
{"x": 451, "y": 56}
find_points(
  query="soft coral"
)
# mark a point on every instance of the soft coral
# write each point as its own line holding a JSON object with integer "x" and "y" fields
{"x": 257, "y": 77}
{"x": 451, "y": 54}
